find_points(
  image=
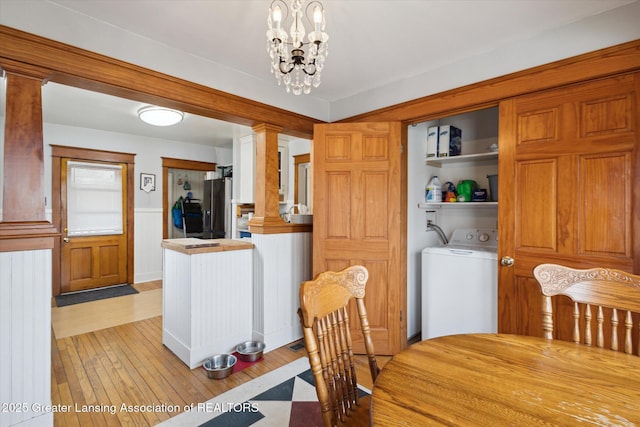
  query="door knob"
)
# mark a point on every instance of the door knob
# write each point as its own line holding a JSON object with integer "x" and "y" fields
{"x": 507, "y": 261}
{"x": 66, "y": 240}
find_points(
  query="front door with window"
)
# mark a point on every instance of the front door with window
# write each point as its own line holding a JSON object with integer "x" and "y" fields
{"x": 94, "y": 226}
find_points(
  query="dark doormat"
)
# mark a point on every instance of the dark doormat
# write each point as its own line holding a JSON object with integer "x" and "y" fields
{"x": 94, "y": 295}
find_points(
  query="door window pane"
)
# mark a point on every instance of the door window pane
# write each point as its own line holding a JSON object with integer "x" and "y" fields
{"x": 94, "y": 199}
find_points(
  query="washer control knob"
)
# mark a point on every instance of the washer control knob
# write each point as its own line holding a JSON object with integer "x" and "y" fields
{"x": 469, "y": 236}
{"x": 483, "y": 237}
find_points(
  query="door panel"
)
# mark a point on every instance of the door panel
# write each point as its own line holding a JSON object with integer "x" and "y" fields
{"x": 609, "y": 210}
{"x": 538, "y": 207}
{"x": 359, "y": 218}
{"x": 94, "y": 248}
{"x": 570, "y": 158}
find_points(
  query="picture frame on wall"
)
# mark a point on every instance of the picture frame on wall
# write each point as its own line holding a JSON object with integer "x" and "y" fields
{"x": 147, "y": 182}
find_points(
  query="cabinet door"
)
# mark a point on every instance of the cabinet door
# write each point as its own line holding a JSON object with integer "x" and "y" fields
{"x": 568, "y": 191}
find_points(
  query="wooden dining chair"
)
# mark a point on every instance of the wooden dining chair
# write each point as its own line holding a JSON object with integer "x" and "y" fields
{"x": 602, "y": 290}
{"x": 325, "y": 323}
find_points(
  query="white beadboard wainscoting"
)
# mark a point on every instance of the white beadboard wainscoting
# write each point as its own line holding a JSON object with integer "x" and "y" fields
{"x": 280, "y": 263}
{"x": 147, "y": 259}
{"x": 207, "y": 301}
{"x": 25, "y": 337}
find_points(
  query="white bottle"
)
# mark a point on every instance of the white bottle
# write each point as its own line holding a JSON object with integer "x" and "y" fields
{"x": 433, "y": 191}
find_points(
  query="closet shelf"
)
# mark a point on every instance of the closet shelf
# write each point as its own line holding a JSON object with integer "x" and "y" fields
{"x": 459, "y": 205}
{"x": 439, "y": 161}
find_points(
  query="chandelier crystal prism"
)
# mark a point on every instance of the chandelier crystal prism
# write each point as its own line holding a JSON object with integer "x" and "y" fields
{"x": 295, "y": 62}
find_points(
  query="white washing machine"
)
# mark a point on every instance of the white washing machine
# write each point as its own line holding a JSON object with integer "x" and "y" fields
{"x": 460, "y": 284}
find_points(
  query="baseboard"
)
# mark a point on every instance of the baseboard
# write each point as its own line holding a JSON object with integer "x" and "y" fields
{"x": 147, "y": 277}
{"x": 278, "y": 339}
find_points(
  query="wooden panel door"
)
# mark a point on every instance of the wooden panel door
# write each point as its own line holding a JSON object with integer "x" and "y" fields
{"x": 359, "y": 208}
{"x": 569, "y": 191}
{"x": 96, "y": 258}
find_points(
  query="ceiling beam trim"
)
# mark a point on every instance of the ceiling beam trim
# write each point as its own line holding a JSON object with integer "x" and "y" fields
{"x": 76, "y": 67}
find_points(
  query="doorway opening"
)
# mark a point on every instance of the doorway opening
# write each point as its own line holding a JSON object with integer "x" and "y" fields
{"x": 60, "y": 156}
{"x": 174, "y": 171}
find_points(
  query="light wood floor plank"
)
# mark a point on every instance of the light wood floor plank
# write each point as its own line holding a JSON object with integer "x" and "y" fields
{"x": 160, "y": 361}
{"x": 129, "y": 392}
{"x": 166, "y": 371}
{"x": 89, "y": 361}
{"x": 106, "y": 375}
{"x": 76, "y": 376}
{"x": 159, "y": 388}
{"x": 130, "y": 375}
{"x": 183, "y": 382}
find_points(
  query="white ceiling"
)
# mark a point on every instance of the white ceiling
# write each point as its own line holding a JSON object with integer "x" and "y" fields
{"x": 380, "y": 52}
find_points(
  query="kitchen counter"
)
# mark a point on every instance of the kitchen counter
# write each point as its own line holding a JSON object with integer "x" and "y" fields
{"x": 207, "y": 297}
{"x": 191, "y": 245}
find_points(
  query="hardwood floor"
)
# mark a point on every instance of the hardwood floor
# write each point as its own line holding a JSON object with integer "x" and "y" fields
{"x": 96, "y": 372}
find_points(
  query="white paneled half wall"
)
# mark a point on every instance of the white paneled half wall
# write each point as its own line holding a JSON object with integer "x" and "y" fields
{"x": 280, "y": 263}
{"x": 147, "y": 240}
{"x": 25, "y": 336}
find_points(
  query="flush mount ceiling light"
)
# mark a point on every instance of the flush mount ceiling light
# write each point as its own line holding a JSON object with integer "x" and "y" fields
{"x": 160, "y": 116}
{"x": 294, "y": 62}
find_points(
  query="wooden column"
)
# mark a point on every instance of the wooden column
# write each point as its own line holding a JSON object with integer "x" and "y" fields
{"x": 267, "y": 208}
{"x": 23, "y": 203}
{"x": 23, "y": 150}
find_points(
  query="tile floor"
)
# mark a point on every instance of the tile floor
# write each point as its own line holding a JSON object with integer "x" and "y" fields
{"x": 291, "y": 403}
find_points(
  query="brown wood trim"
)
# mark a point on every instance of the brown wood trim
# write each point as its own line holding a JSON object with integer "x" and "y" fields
{"x": 23, "y": 162}
{"x": 91, "y": 154}
{"x": 602, "y": 63}
{"x": 636, "y": 185}
{"x": 27, "y": 244}
{"x": 168, "y": 162}
{"x": 25, "y": 70}
{"x": 57, "y": 153}
{"x": 281, "y": 228}
{"x": 26, "y": 229}
{"x": 171, "y": 163}
{"x": 88, "y": 70}
{"x": 267, "y": 181}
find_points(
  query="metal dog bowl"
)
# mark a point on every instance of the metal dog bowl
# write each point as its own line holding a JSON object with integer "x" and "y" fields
{"x": 219, "y": 366}
{"x": 250, "y": 351}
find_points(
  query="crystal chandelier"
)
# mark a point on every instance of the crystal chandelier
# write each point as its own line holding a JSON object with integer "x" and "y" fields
{"x": 293, "y": 61}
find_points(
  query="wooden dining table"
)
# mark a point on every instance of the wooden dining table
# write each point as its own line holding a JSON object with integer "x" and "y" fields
{"x": 506, "y": 380}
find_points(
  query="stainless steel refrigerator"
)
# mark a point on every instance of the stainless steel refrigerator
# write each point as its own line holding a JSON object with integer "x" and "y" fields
{"x": 216, "y": 206}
